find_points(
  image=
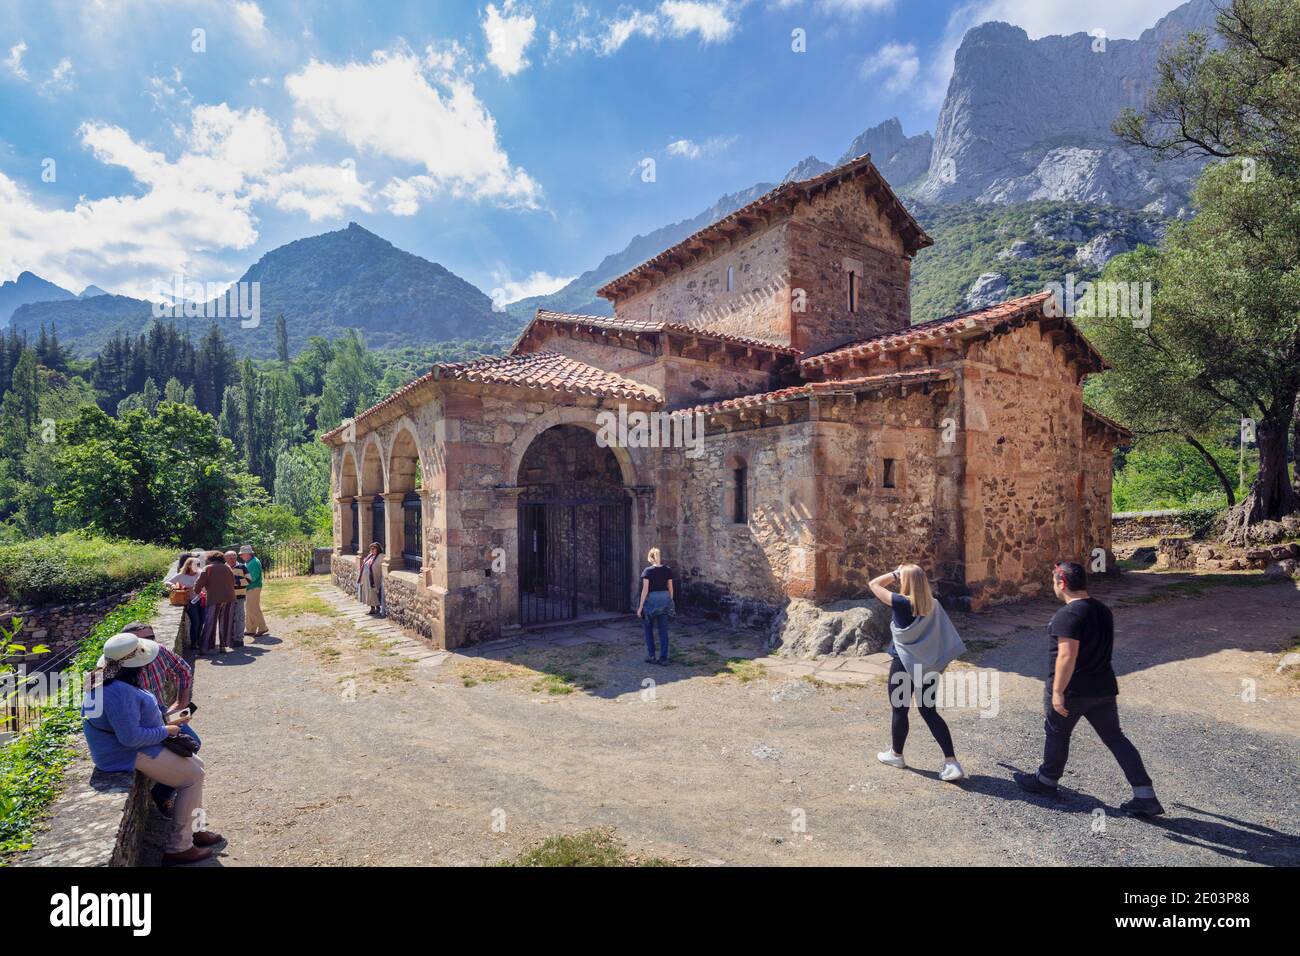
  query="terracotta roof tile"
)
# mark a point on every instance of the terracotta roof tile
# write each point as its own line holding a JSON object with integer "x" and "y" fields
{"x": 613, "y": 323}
{"x": 927, "y": 332}
{"x": 917, "y": 376}
{"x": 1104, "y": 422}
{"x": 548, "y": 370}
{"x": 915, "y": 236}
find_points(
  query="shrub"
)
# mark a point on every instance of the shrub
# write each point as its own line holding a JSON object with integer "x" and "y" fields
{"x": 76, "y": 567}
{"x": 263, "y": 526}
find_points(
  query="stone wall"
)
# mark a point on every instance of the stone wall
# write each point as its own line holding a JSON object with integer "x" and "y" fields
{"x": 1025, "y": 473}
{"x": 411, "y": 606}
{"x": 758, "y": 304}
{"x": 1137, "y": 525}
{"x": 100, "y": 819}
{"x": 836, "y": 232}
{"x": 60, "y": 625}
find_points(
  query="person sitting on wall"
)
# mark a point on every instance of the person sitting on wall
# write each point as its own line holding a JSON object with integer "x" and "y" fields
{"x": 924, "y": 643}
{"x": 370, "y": 578}
{"x": 125, "y": 731}
{"x": 218, "y": 584}
{"x": 656, "y": 605}
{"x": 171, "y": 681}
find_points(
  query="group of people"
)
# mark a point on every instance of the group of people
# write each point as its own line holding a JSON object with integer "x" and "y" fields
{"x": 138, "y": 706}
{"x": 224, "y": 593}
{"x": 1081, "y": 682}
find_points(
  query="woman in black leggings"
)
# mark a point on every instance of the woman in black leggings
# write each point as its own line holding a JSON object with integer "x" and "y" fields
{"x": 912, "y": 602}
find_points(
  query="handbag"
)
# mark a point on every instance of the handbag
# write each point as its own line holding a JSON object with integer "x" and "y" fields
{"x": 182, "y": 745}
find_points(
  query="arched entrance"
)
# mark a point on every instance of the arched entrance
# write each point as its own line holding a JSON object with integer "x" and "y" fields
{"x": 574, "y": 529}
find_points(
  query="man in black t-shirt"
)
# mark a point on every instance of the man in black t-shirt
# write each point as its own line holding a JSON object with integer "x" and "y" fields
{"x": 1081, "y": 683}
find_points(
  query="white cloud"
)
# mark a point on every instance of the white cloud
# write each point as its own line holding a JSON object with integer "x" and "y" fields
{"x": 62, "y": 78}
{"x": 396, "y": 107}
{"x": 539, "y": 283}
{"x": 15, "y": 59}
{"x": 184, "y": 215}
{"x": 897, "y": 63}
{"x": 853, "y": 7}
{"x": 618, "y": 32}
{"x": 709, "y": 20}
{"x": 689, "y": 149}
{"x": 251, "y": 18}
{"x": 508, "y": 36}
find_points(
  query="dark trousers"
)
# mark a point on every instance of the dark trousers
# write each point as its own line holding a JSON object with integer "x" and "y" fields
{"x": 648, "y": 622}
{"x": 901, "y": 688}
{"x": 217, "y": 617}
{"x": 1103, "y": 714}
{"x": 161, "y": 792}
{"x": 195, "y": 611}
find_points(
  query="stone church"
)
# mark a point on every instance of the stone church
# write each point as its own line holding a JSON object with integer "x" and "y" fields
{"x": 834, "y": 438}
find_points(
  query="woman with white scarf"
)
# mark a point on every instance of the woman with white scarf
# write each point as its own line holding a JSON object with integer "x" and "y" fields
{"x": 924, "y": 643}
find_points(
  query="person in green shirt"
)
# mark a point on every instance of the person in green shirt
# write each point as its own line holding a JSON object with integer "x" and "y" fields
{"x": 254, "y": 621}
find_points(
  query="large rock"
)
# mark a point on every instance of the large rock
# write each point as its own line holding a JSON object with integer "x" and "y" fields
{"x": 848, "y": 628}
{"x": 988, "y": 289}
{"x": 1100, "y": 249}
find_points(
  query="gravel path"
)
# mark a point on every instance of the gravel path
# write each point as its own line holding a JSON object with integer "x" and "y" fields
{"x": 330, "y": 745}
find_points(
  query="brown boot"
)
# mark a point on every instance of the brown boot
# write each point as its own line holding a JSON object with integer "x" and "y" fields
{"x": 207, "y": 838}
{"x": 194, "y": 854}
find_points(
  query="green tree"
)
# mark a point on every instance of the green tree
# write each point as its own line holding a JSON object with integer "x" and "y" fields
{"x": 302, "y": 478}
{"x": 349, "y": 382}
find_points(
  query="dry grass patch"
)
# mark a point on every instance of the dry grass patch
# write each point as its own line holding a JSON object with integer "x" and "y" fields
{"x": 294, "y": 597}
{"x": 595, "y": 847}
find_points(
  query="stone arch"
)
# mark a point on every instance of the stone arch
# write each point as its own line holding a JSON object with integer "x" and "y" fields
{"x": 348, "y": 475}
{"x": 372, "y": 469}
{"x": 405, "y": 459}
{"x": 567, "y": 415}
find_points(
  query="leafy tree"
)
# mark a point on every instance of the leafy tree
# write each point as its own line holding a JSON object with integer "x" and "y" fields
{"x": 302, "y": 478}
{"x": 282, "y": 339}
{"x": 174, "y": 391}
{"x": 349, "y": 382}
{"x": 168, "y": 478}
{"x": 1236, "y": 101}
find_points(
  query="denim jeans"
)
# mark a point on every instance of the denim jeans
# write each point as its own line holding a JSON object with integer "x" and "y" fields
{"x": 1103, "y": 714}
{"x": 656, "y": 610}
{"x": 161, "y": 792}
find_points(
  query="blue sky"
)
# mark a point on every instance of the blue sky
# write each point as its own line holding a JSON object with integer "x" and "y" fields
{"x": 505, "y": 140}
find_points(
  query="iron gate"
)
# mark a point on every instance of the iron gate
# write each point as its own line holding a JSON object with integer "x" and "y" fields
{"x": 574, "y": 558}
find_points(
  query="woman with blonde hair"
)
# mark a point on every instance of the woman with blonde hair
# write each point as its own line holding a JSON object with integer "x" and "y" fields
{"x": 924, "y": 643}
{"x": 656, "y": 604}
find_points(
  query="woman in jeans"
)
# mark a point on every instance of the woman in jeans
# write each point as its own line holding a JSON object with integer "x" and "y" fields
{"x": 185, "y": 578}
{"x": 125, "y": 731}
{"x": 924, "y": 643}
{"x": 656, "y": 604}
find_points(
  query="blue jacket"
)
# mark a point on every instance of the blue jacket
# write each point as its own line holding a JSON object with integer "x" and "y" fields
{"x": 120, "y": 721}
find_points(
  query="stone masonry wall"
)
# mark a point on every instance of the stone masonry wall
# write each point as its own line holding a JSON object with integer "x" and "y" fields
{"x": 757, "y": 306}
{"x": 827, "y": 235}
{"x": 60, "y": 625}
{"x": 1025, "y": 472}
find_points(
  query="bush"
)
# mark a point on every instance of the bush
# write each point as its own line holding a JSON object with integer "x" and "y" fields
{"x": 75, "y": 567}
{"x": 263, "y": 526}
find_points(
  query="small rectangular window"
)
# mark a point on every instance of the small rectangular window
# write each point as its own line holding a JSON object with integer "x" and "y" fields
{"x": 888, "y": 479}
{"x": 853, "y": 292}
{"x": 740, "y": 511}
{"x": 731, "y": 278}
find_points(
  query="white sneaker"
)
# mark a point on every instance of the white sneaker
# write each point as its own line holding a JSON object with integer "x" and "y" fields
{"x": 891, "y": 759}
{"x": 952, "y": 772}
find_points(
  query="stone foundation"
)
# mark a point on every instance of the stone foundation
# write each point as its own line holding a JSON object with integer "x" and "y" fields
{"x": 407, "y": 606}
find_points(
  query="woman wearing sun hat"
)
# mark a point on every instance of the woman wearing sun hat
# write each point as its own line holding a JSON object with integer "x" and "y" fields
{"x": 125, "y": 731}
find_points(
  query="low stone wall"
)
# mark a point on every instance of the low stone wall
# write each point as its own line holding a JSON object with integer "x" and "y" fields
{"x": 100, "y": 818}
{"x": 60, "y": 625}
{"x": 1136, "y": 525}
{"x": 405, "y": 605}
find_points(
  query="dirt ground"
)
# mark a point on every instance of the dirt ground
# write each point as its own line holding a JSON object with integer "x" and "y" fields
{"x": 340, "y": 740}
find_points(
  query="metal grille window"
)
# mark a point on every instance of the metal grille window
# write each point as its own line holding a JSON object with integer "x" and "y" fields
{"x": 377, "y": 521}
{"x": 356, "y": 528}
{"x": 412, "y": 543}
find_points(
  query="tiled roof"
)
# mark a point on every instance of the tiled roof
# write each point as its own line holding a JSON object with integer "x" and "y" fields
{"x": 937, "y": 330}
{"x": 611, "y": 323}
{"x": 914, "y": 236}
{"x": 1104, "y": 422}
{"x": 866, "y": 383}
{"x": 548, "y": 370}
